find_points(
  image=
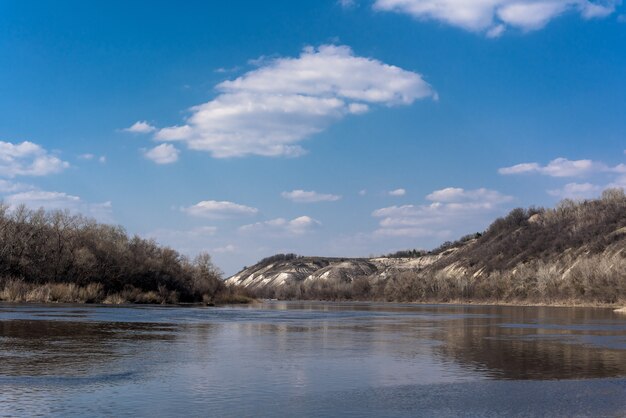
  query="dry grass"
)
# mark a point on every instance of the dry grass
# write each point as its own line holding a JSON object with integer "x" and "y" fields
{"x": 17, "y": 291}
{"x": 591, "y": 280}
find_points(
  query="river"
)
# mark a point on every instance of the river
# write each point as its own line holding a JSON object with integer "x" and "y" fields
{"x": 311, "y": 359}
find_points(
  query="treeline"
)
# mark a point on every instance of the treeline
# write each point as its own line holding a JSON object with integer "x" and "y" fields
{"x": 539, "y": 234}
{"x": 415, "y": 253}
{"x": 575, "y": 252}
{"x": 278, "y": 258}
{"x": 48, "y": 256}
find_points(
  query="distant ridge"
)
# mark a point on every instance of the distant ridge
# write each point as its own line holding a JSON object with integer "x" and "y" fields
{"x": 572, "y": 253}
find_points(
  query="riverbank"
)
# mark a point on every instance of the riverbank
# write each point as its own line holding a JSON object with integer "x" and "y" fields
{"x": 18, "y": 291}
{"x": 531, "y": 303}
{"x": 617, "y": 307}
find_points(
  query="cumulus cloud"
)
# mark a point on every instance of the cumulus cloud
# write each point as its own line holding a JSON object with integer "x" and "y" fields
{"x": 36, "y": 199}
{"x": 562, "y": 167}
{"x": 140, "y": 127}
{"x": 214, "y": 209}
{"x": 269, "y": 110}
{"x": 302, "y": 196}
{"x": 397, "y": 192}
{"x": 281, "y": 226}
{"x": 450, "y": 208}
{"x": 493, "y": 16}
{"x": 162, "y": 154}
{"x": 28, "y": 159}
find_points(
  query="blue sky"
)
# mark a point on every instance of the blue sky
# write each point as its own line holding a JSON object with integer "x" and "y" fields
{"x": 326, "y": 128}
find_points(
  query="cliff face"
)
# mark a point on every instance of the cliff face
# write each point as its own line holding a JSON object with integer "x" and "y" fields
{"x": 274, "y": 274}
{"x": 576, "y": 250}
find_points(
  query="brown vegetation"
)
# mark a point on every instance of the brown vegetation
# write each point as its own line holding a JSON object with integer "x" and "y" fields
{"x": 59, "y": 257}
{"x": 574, "y": 253}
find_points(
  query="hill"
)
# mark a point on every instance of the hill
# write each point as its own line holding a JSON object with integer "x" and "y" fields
{"x": 573, "y": 253}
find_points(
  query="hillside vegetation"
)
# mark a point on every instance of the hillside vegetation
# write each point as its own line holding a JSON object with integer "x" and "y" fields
{"x": 573, "y": 253}
{"x": 59, "y": 257}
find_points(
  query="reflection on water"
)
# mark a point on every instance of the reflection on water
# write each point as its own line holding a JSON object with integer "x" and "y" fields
{"x": 311, "y": 359}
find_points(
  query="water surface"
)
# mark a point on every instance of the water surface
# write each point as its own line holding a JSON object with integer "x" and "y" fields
{"x": 311, "y": 359}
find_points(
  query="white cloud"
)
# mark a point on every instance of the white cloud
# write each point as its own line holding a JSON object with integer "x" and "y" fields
{"x": 281, "y": 226}
{"x": 162, "y": 154}
{"x": 89, "y": 157}
{"x": 11, "y": 187}
{"x": 28, "y": 159}
{"x": 347, "y": 4}
{"x": 456, "y": 194}
{"x": 577, "y": 191}
{"x": 219, "y": 210}
{"x": 362, "y": 192}
{"x": 397, "y": 192}
{"x": 140, "y": 127}
{"x": 302, "y": 196}
{"x": 57, "y": 201}
{"x": 495, "y": 31}
{"x": 450, "y": 208}
{"x": 267, "y": 111}
{"x": 494, "y": 16}
{"x": 562, "y": 167}
{"x": 612, "y": 175}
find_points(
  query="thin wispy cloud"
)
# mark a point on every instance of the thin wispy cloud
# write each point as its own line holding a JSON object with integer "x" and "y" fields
{"x": 228, "y": 248}
{"x": 269, "y": 110}
{"x": 302, "y": 196}
{"x": 91, "y": 157}
{"x": 7, "y": 186}
{"x": 562, "y": 167}
{"x": 219, "y": 209}
{"x": 36, "y": 199}
{"x": 576, "y": 191}
{"x": 347, "y": 4}
{"x": 457, "y": 194}
{"x": 281, "y": 226}
{"x": 493, "y": 17}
